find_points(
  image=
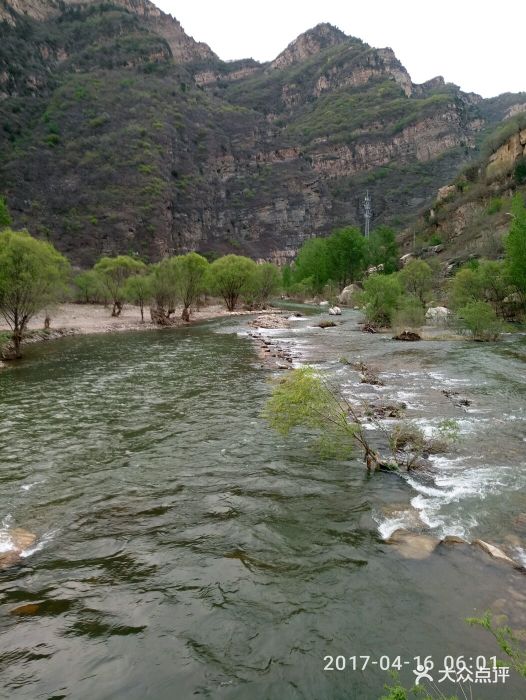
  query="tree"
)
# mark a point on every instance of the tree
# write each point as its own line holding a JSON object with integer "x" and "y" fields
{"x": 189, "y": 276}
{"x": 113, "y": 273}
{"x": 287, "y": 280}
{"x": 480, "y": 319}
{"x": 5, "y": 217}
{"x": 138, "y": 290}
{"x": 88, "y": 287}
{"x": 229, "y": 277}
{"x": 382, "y": 296}
{"x": 312, "y": 263}
{"x": 302, "y": 399}
{"x": 484, "y": 280}
{"x": 33, "y": 275}
{"x": 516, "y": 245}
{"x": 164, "y": 288}
{"x": 464, "y": 287}
{"x": 346, "y": 256}
{"x": 383, "y": 249}
{"x": 417, "y": 279}
{"x": 265, "y": 283}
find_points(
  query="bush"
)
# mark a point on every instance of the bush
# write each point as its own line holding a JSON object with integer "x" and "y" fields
{"x": 382, "y": 296}
{"x": 410, "y": 315}
{"x": 495, "y": 205}
{"x": 480, "y": 320}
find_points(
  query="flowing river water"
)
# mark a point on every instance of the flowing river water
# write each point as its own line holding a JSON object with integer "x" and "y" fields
{"x": 185, "y": 550}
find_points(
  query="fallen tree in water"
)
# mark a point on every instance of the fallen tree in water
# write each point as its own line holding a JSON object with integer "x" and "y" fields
{"x": 304, "y": 399}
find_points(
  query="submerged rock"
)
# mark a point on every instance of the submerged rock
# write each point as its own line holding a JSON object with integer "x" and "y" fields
{"x": 411, "y": 545}
{"x": 21, "y": 540}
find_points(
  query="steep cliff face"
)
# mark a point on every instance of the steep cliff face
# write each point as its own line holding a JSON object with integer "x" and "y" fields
{"x": 120, "y": 133}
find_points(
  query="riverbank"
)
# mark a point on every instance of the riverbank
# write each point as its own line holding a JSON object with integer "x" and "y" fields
{"x": 88, "y": 319}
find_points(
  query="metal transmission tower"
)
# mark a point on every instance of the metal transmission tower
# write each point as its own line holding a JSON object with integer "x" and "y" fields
{"x": 367, "y": 213}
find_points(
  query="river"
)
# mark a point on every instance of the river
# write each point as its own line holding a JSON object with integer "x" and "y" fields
{"x": 185, "y": 550}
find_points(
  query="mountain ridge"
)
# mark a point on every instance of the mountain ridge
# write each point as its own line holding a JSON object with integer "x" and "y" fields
{"x": 122, "y": 134}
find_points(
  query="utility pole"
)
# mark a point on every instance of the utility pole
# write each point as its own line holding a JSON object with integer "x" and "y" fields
{"x": 367, "y": 213}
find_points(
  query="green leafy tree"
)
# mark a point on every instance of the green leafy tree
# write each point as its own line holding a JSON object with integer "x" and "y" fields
{"x": 230, "y": 277}
{"x": 417, "y": 279}
{"x": 302, "y": 399}
{"x": 87, "y": 286}
{"x": 138, "y": 290}
{"x": 480, "y": 320}
{"x": 190, "y": 271}
{"x": 312, "y": 263}
{"x": 287, "y": 280}
{"x": 382, "y": 296}
{"x": 464, "y": 287}
{"x": 113, "y": 273}
{"x": 383, "y": 249}
{"x": 164, "y": 288}
{"x": 266, "y": 282}
{"x": 346, "y": 256}
{"x": 494, "y": 283}
{"x": 5, "y": 217}
{"x": 485, "y": 280}
{"x": 33, "y": 275}
{"x": 516, "y": 245}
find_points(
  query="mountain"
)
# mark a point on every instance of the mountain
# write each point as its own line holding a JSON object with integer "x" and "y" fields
{"x": 120, "y": 133}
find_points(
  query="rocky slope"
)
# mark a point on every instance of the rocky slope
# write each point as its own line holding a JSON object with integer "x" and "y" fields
{"x": 120, "y": 133}
{"x": 470, "y": 217}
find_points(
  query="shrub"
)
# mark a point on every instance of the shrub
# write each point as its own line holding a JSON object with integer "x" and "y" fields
{"x": 410, "y": 315}
{"x": 382, "y": 296}
{"x": 495, "y": 205}
{"x": 480, "y": 320}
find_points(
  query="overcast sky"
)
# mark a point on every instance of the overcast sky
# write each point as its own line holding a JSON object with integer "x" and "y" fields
{"x": 479, "y": 47}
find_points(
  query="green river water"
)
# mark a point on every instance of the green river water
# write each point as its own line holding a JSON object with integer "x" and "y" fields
{"x": 185, "y": 550}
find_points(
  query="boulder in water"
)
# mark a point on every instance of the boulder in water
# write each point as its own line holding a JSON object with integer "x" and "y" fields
{"x": 335, "y": 311}
{"x": 407, "y": 335}
{"x": 412, "y": 545}
{"x": 494, "y": 552}
{"x": 21, "y": 540}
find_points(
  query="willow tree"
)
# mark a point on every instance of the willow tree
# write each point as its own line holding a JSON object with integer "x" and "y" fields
{"x": 302, "y": 399}
{"x": 190, "y": 271}
{"x": 33, "y": 275}
{"x": 113, "y": 274}
{"x": 230, "y": 277}
{"x": 138, "y": 290}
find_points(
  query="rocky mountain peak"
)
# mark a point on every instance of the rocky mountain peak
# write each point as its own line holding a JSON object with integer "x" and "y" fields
{"x": 311, "y": 42}
{"x": 183, "y": 47}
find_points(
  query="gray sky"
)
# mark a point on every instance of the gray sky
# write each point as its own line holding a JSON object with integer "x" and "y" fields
{"x": 476, "y": 45}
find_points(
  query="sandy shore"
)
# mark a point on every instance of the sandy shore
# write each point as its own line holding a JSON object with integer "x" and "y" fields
{"x": 92, "y": 318}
